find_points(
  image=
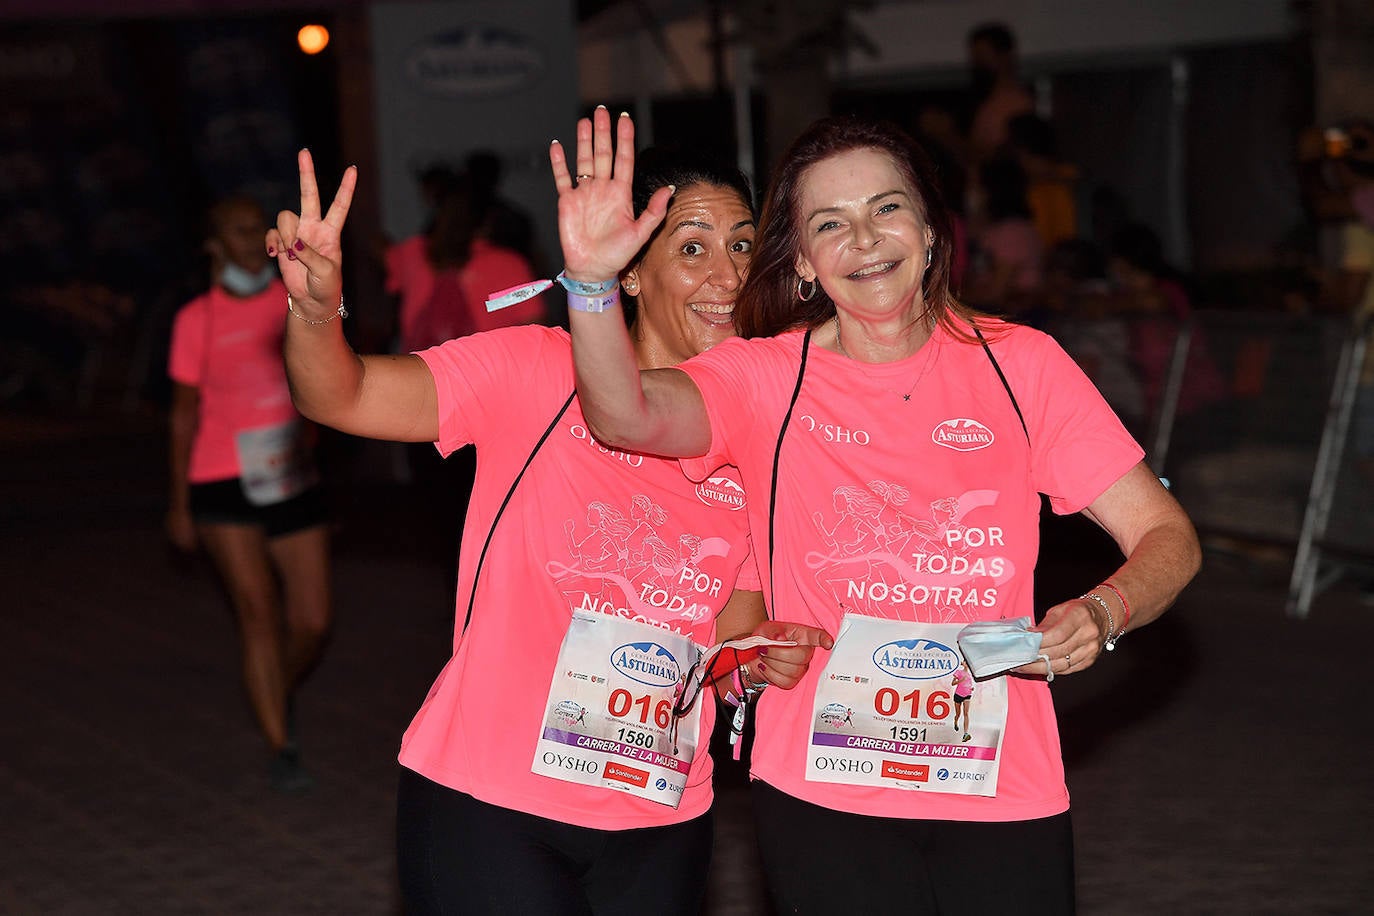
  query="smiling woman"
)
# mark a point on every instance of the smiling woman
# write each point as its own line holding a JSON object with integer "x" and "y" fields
{"x": 893, "y": 446}
{"x": 683, "y": 284}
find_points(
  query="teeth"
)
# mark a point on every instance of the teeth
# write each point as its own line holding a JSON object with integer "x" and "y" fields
{"x": 873, "y": 269}
{"x": 713, "y": 309}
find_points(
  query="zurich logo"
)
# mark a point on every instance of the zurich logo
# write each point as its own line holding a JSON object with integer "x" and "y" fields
{"x": 475, "y": 60}
{"x": 916, "y": 659}
{"x": 661, "y": 784}
{"x": 942, "y": 774}
{"x": 647, "y": 663}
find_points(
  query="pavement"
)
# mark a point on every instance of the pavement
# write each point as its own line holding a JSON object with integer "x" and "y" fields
{"x": 1217, "y": 760}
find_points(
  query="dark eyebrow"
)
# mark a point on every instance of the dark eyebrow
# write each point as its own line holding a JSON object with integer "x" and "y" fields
{"x": 694, "y": 223}
{"x": 874, "y": 199}
{"x": 707, "y": 227}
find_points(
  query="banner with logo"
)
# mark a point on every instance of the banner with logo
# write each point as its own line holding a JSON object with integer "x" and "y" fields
{"x": 455, "y": 78}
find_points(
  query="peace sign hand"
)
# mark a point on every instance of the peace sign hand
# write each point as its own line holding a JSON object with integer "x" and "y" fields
{"x": 306, "y": 246}
{"x": 596, "y": 222}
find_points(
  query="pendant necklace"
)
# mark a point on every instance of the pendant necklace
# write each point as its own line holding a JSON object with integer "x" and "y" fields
{"x": 839, "y": 345}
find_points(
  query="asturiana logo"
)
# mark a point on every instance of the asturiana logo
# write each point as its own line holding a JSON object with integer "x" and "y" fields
{"x": 721, "y": 491}
{"x": 648, "y": 663}
{"x": 916, "y": 659}
{"x": 962, "y": 435}
{"x": 475, "y": 60}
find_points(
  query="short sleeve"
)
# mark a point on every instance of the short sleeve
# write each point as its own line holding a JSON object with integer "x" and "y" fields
{"x": 186, "y": 359}
{"x": 485, "y": 383}
{"x": 722, "y": 375}
{"x": 749, "y": 578}
{"x": 1079, "y": 447}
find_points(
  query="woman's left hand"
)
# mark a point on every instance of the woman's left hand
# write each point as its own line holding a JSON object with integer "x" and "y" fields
{"x": 1071, "y": 638}
{"x": 784, "y": 666}
{"x": 596, "y": 221}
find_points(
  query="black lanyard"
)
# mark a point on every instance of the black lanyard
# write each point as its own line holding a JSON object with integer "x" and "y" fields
{"x": 505, "y": 502}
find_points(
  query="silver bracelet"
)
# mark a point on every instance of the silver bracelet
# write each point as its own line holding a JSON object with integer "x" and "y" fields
{"x": 1109, "y": 643}
{"x": 341, "y": 312}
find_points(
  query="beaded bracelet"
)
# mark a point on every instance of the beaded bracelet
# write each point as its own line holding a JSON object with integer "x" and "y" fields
{"x": 1125, "y": 610}
{"x": 1109, "y": 643}
{"x": 341, "y": 312}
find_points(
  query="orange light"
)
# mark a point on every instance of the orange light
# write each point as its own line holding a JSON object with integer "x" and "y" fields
{"x": 313, "y": 38}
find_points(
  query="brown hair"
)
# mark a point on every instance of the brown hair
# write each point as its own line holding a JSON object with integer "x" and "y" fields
{"x": 768, "y": 304}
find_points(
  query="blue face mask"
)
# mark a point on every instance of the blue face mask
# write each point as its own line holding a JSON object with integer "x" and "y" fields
{"x": 244, "y": 283}
{"x": 994, "y": 646}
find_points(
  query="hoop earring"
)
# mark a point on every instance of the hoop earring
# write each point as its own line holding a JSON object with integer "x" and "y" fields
{"x": 928, "y": 253}
{"x": 809, "y": 296}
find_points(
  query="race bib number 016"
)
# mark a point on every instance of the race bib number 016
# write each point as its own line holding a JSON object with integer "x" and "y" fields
{"x": 609, "y": 717}
{"x": 896, "y": 708}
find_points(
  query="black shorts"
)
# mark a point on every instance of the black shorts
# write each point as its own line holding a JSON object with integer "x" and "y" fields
{"x": 821, "y": 861}
{"x": 958, "y": 699}
{"x": 460, "y": 855}
{"x": 222, "y": 502}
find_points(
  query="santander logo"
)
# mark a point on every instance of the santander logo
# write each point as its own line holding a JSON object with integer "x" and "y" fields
{"x": 962, "y": 435}
{"x": 721, "y": 492}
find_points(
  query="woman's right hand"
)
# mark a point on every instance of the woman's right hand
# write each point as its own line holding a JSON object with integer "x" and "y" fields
{"x": 596, "y": 221}
{"x": 306, "y": 245}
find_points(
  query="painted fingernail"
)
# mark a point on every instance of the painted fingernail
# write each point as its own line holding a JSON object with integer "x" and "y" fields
{"x": 554, "y": 143}
{"x": 763, "y": 651}
{"x": 672, "y": 188}
{"x": 290, "y": 255}
{"x": 300, "y": 246}
{"x": 624, "y": 114}
{"x": 602, "y": 107}
{"x": 762, "y": 667}
{"x": 271, "y": 251}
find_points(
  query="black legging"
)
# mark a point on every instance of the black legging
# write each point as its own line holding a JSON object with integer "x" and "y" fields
{"x": 459, "y": 855}
{"x": 820, "y": 861}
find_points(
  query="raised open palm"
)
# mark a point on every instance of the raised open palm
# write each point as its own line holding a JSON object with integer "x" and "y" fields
{"x": 596, "y": 221}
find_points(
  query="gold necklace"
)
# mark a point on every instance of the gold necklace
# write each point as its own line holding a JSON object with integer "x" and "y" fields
{"x": 839, "y": 345}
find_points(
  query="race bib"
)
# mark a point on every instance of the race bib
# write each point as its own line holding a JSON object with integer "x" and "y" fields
{"x": 271, "y": 466}
{"x": 886, "y": 715}
{"x": 609, "y": 717}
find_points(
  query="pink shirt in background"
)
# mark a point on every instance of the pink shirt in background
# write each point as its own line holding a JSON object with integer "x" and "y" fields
{"x": 588, "y": 528}
{"x": 872, "y": 487}
{"x": 433, "y": 309}
{"x": 230, "y": 350}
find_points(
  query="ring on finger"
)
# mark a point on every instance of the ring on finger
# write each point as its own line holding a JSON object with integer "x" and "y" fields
{"x": 1068, "y": 660}
{"x": 583, "y": 177}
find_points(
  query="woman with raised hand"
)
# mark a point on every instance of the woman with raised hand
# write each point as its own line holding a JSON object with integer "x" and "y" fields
{"x": 558, "y": 765}
{"x": 857, "y": 372}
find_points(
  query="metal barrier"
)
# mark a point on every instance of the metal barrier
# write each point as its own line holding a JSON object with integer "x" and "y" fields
{"x": 1259, "y": 421}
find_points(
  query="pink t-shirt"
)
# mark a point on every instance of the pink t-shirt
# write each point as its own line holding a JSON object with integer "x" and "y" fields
{"x": 876, "y": 495}
{"x": 963, "y": 683}
{"x": 588, "y": 528}
{"x": 489, "y": 268}
{"x": 230, "y": 349}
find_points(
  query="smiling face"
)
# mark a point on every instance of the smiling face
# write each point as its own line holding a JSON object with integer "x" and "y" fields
{"x": 689, "y": 278}
{"x": 863, "y": 236}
